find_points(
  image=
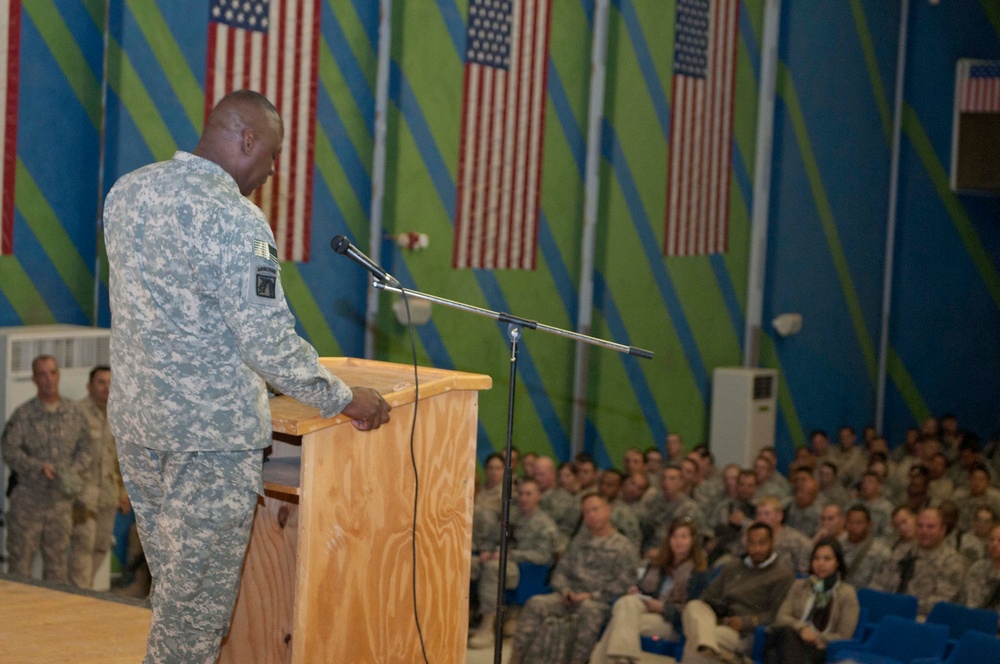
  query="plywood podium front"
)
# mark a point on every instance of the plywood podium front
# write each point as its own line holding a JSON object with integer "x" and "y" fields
{"x": 329, "y": 572}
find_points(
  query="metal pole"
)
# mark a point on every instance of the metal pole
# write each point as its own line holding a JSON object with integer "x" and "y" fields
{"x": 762, "y": 183}
{"x": 378, "y": 165}
{"x": 102, "y": 140}
{"x": 890, "y": 222}
{"x": 598, "y": 75}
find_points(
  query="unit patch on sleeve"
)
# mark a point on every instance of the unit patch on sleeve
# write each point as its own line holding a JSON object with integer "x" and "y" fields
{"x": 266, "y": 283}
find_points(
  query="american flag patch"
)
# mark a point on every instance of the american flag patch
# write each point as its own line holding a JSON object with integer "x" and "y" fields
{"x": 262, "y": 249}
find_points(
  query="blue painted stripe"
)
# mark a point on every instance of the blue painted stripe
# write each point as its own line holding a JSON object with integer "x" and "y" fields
{"x": 350, "y": 69}
{"x": 154, "y": 80}
{"x": 368, "y": 12}
{"x": 561, "y": 278}
{"x": 8, "y": 316}
{"x": 455, "y": 24}
{"x": 619, "y": 332}
{"x": 595, "y": 447}
{"x": 402, "y": 94}
{"x": 588, "y": 9}
{"x": 564, "y": 112}
{"x": 646, "y": 65}
{"x": 728, "y": 292}
{"x": 87, "y": 33}
{"x": 742, "y": 174}
{"x": 750, "y": 39}
{"x": 345, "y": 151}
{"x": 613, "y": 152}
{"x": 43, "y": 275}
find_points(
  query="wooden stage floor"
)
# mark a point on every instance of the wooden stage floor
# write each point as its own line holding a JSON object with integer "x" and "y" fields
{"x": 39, "y": 624}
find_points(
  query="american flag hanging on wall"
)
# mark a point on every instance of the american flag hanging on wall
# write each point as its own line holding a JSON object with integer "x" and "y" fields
{"x": 272, "y": 47}
{"x": 503, "y": 121}
{"x": 978, "y": 86}
{"x": 10, "y": 54}
{"x": 701, "y": 128}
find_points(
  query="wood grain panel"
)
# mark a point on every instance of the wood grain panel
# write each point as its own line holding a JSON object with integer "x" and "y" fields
{"x": 355, "y": 546}
{"x": 262, "y": 625}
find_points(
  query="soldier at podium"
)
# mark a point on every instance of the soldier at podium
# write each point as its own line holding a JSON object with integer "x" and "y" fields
{"x": 199, "y": 323}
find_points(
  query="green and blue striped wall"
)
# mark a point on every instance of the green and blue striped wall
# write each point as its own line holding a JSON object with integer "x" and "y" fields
{"x": 826, "y": 244}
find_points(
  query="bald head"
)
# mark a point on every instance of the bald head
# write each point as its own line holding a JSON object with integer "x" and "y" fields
{"x": 243, "y": 135}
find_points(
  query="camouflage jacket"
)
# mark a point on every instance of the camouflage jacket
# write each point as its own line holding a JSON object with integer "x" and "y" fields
{"x": 35, "y": 436}
{"x": 103, "y": 486}
{"x": 199, "y": 320}
{"x": 605, "y": 567}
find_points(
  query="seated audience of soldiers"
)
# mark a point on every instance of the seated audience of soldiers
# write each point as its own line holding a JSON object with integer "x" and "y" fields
{"x": 921, "y": 519}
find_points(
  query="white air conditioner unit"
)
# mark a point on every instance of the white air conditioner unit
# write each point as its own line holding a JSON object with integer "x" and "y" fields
{"x": 77, "y": 349}
{"x": 744, "y": 404}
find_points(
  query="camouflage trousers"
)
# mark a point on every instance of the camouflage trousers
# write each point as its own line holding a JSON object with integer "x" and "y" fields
{"x": 194, "y": 511}
{"x": 488, "y": 574}
{"x": 550, "y": 631}
{"x": 89, "y": 543}
{"x": 38, "y": 521}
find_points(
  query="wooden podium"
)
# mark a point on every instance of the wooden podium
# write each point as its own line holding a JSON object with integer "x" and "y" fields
{"x": 329, "y": 571}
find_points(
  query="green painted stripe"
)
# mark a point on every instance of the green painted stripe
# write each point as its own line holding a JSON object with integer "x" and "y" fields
{"x": 868, "y": 48}
{"x": 786, "y": 404}
{"x": 333, "y": 175}
{"x": 307, "y": 311}
{"x": 755, "y": 9}
{"x": 906, "y": 387}
{"x": 992, "y": 10}
{"x": 786, "y": 89}
{"x": 168, "y": 54}
{"x": 345, "y": 105}
{"x": 357, "y": 38}
{"x": 44, "y": 223}
{"x": 68, "y": 55}
{"x": 124, "y": 81}
{"x": 914, "y": 130}
{"x": 22, "y": 294}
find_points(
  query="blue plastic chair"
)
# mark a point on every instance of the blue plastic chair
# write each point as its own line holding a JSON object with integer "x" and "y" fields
{"x": 534, "y": 581}
{"x": 961, "y": 619}
{"x": 881, "y": 604}
{"x": 973, "y": 648}
{"x": 658, "y": 646}
{"x": 895, "y": 640}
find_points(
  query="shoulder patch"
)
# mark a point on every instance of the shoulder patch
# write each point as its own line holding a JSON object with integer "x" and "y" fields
{"x": 262, "y": 249}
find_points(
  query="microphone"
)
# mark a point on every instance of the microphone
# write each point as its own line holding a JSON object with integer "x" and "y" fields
{"x": 341, "y": 245}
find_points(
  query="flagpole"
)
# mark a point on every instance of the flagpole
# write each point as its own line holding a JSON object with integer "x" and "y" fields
{"x": 102, "y": 141}
{"x": 890, "y": 222}
{"x": 592, "y": 184}
{"x": 378, "y": 166}
{"x": 762, "y": 183}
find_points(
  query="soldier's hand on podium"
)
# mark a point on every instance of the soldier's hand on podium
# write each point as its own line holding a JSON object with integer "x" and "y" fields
{"x": 367, "y": 410}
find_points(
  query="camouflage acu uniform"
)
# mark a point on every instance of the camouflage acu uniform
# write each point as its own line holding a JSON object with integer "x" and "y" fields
{"x": 625, "y": 521}
{"x": 605, "y": 567}
{"x": 662, "y": 513}
{"x": 881, "y": 511}
{"x": 95, "y": 508}
{"x": 804, "y": 519}
{"x": 564, "y": 510}
{"x": 794, "y": 548}
{"x": 534, "y": 539}
{"x": 936, "y": 576}
{"x": 199, "y": 322}
{"x": 40, "y": 513}
{"x": 982, "y": 585}
{"x": 709, "y": 493}
{"x": 864, "y": 560}
{"x": 968, "y": 504}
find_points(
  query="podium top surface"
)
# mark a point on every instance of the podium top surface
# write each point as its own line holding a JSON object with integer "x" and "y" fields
{"x": 393, "y": 381}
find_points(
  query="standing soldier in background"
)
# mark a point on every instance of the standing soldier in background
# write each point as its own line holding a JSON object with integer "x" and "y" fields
{"x": 103, "y": 493}
{"x": 47, "y": 444}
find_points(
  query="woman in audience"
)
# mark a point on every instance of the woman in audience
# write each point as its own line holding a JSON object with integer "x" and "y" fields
{"x": 982, "y": 582}
{"x": 567, "y": 478}
{"x": 816, "y": 610}
{"x": 653, "y": 607}
{"x": 904, "y": 525}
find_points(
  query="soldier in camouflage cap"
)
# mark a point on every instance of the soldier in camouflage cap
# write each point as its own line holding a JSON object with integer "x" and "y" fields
{"x": 599, "y": 566}
{"x": 47, "y": 444}
{"x": 199, "y": 323}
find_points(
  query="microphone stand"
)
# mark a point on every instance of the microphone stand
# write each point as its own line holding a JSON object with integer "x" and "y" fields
{"x": 516, "y": 326}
